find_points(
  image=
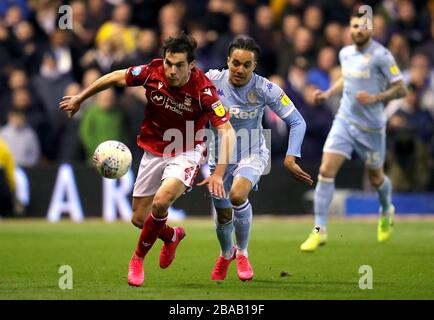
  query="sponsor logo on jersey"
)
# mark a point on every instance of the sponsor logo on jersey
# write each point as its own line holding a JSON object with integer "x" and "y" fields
{"x": 220, "y": 92}
{"x": 238, "y": 113}
{"x": 158, "y": 98}
{"x": 177, "y": 107}
{"x": 394, "y": 70}
{"x": 351, "y": 73}
{"x": 284, "y": 99}
{"x": 136, "y": 71}
{"x": 218, "y": 108}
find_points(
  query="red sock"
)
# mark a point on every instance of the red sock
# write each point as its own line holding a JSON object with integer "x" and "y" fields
{"x": 149, "y": 234}
{"x": 166, "y": 234}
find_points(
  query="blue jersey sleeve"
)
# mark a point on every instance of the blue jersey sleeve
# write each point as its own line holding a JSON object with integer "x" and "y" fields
{"x": 277, "y": 100}
{"x": 387, "y": 66}
{"x": 296, "y": 134}
{"x": 280, "y": 103}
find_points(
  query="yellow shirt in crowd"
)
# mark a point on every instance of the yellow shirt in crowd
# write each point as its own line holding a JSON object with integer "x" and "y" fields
{"x": 7, "y": 163}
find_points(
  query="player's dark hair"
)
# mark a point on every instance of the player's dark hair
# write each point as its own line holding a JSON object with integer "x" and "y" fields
{"x": 245, "y": 43}
{"x": 181, "y": 44}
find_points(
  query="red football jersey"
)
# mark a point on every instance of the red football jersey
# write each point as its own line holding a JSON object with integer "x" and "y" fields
{"x": 189, "y": 106}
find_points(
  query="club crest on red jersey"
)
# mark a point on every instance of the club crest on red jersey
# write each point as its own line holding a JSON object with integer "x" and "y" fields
{"x": 187, "y": 101}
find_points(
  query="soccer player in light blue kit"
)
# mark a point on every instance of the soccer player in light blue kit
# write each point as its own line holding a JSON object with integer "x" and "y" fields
{"x": 370, "y": 77}
{"x": 246, "y": 94}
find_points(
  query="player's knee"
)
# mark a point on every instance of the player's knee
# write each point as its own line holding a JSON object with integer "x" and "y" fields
{"x": 137, "y": 222}
{"x": 224, "y": 216}
{"x": 237, "y": 198}
{"x": 326, "y": 172}
{"x": 376, "y": 179}
{"x": 160, "y": 207}
{"x": 162, "y": 202}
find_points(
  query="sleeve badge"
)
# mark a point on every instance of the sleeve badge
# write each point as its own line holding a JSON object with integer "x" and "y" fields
{"x": 394, "y": 70}
{"x": 284, "y": 99}
{"x": 218, "y": 108}
{"x": 136, "y": 71}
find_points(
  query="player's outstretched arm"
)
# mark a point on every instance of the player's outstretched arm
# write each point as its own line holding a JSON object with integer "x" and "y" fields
{"x": 71, "y": 104}
{"x": 226, "y": 148}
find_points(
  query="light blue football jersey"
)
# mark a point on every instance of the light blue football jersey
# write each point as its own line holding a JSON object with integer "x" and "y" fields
{"x": 246, "y": 107}
{"x": 370, "y": 70}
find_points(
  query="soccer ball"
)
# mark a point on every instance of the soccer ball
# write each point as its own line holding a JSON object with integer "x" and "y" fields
{"x": 112, "y": 159}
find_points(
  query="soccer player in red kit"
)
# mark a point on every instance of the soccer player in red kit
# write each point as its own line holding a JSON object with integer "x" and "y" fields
{"x": 178, "y": 95}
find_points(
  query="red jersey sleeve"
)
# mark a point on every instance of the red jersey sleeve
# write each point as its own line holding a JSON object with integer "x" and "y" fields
{"x": 213, "y": 107}
{"x": 137, "y": 76}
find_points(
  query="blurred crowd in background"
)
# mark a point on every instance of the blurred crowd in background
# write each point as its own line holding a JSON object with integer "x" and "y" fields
{"x": 41, "y": 63}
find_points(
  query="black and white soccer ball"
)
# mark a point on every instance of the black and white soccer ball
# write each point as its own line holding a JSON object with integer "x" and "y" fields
{"x": 112, "y": 159}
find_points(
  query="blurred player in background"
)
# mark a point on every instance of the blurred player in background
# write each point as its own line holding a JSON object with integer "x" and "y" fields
{"x": 370, "y": 78}
{"x": 178, "y": 93}
{"x": 246, "y": 95}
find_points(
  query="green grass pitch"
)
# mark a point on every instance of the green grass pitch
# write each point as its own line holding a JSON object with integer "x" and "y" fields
{"x": 32, "y": 251}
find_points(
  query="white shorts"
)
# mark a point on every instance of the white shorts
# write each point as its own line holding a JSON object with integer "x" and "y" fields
{"x": 154, "y": 169}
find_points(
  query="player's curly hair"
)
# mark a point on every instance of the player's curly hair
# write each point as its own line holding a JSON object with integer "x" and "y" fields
{"x": 181, "y": 44}
{"x": 245, "y": 43}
